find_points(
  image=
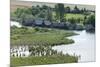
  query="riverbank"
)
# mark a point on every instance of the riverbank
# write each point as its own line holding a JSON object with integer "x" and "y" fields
{"x": 39, "y": 36}
{"x": 43, "y": 60}
{"x": 36, "y": 44}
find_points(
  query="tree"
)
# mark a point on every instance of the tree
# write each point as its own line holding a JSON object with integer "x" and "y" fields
{"x": 27, "y": 19}
{"x": 85, "y": 17}
{"x": 19, "y": 12}
{"x": 49, "y": 14}
{"x": 45, "y": 7}
{"x": 78, "y": 20}
{"x": 68, "y": 9}
{"x": 38, "y": 6}
{"x": 42, "y": 14}
{"x": 72, "y": 20}
{"x": 60, "y": 11}
{"x": 84, "y": 10}
{"x": 35, "y": 10}
{"x": 28, "y": 11}
{"x": 90, "y": 20}
{"x": 76, "y": 9}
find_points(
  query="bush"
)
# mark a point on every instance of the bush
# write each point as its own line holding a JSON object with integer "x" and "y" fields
{"x": 90, "y": 20}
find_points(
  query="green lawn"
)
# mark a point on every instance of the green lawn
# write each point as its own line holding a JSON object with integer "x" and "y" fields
{"x": 71, "y": 15}
{"x": 75, "y": 16}
{"x": 25, "y": 61}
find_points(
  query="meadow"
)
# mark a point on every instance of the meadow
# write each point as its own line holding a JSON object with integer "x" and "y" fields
{"x": 43, "y": 37}
{"x": 40, "y": 41}
{"x": 76, "y": 16}
{"x": 55, "y": 59}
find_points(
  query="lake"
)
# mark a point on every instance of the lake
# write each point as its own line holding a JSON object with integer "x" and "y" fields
{"x": 84, "y": 46}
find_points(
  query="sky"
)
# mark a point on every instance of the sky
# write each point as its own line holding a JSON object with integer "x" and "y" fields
{"x": 88, "y": 2}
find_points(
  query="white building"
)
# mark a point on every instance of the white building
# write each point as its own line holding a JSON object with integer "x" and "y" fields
{"x": 17, "y": 24}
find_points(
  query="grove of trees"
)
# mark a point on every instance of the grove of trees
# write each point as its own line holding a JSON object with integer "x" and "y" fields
{"x": 53, "y": 14}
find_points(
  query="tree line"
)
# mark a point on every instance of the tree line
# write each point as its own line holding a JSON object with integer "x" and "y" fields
{"x": 52, "y": 14}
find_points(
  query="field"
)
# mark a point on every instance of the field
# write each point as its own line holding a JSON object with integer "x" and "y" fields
{"x": 16, "y": 4}
{"x": 42, "y": 37}
{"x": 22, "y": 4}
{"x": 76, "y": 16}
{"x": 25, "y": 61}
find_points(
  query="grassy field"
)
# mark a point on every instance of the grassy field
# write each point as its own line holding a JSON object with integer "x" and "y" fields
{"x": 76, "y": 16}
{"x": 48, "y": 38}
{"x": 14, "y": 4}
{"x": 41, "y": 37}
{"x": 25, "y": 61}
{"x": 72, "y": 15}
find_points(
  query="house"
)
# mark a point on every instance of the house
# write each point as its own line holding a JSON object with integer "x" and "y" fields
{"x": 38, "y": 22}
{"x": 28, "y": 22}
{"x": 62, "y": 24}
{"x": 79, "y": 27}
{"x": 55, "y": 24}
{"x": 47, "y": 23}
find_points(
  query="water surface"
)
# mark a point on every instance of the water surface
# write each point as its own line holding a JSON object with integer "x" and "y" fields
{"x": 84, "y": 46}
